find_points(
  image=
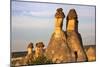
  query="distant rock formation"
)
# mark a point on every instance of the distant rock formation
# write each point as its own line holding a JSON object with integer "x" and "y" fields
{"x": 30, "y": 56}
{"x": 30, "y": 48}
{"x": 58, "y": 51}
{"x": 39, "y": 49}
{"x": 74, "y": 39}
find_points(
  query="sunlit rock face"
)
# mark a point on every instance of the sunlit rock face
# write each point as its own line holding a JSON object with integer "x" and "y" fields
{"x": 66, "y": 46}
{"x": 59, "y": 16}
{"x": 74, "y": 39}
{"x": 58, "y": 50}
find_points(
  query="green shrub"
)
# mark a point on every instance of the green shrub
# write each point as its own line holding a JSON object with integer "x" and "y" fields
{"x": 42, "y": 60}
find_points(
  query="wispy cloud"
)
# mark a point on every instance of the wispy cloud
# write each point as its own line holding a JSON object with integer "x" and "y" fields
{"x": 25, "y": 22}
{"x": 42, "y": 14}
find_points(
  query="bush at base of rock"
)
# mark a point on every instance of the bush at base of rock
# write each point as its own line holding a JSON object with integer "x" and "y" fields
{"x": 41, "y": 60}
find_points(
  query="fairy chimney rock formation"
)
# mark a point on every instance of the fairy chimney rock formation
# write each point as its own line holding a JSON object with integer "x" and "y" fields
{"x": 39, "y": 49}
{"x": 59, "y": 16}
{"x": 72, "y": 22}
{"x": 57, "y": 49}
{"x": 74, "y": 39}
{"x": 30, "y": 48}
{"x": 29, "y": 57}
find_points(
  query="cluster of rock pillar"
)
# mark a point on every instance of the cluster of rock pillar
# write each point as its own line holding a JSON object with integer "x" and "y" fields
{"x": 66, "y": 46}
{"x": 31, "y": 56}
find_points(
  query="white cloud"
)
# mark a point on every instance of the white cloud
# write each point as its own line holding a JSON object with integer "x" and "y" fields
{"x": 41, "y": 14}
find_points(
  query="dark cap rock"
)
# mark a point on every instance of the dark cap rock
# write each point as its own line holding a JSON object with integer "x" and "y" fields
{"x": 39, "y": 44}
{"x": 59, "y": 13}
{"x": 59, "y": 9}
{"x": 30, "y": 45}
{"x": 72, "y": 14}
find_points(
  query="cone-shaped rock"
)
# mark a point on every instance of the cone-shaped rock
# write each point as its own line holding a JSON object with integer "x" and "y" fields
{"x": 74, "y": 39}
{"x": 58, "y": 50}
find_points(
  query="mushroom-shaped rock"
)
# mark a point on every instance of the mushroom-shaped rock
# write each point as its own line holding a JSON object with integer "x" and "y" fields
{"x": 30, "y": 48}
{"x": 59, "y": 16}
{"x": 30, "y": 56}
{"x": 74, "y": 39}
{"x": 39, "y": 49}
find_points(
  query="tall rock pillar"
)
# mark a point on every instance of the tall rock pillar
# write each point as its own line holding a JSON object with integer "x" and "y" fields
{"x": 57, "y": 49}
{"x": 59, "y": 17}
{"x": 29, "y": 57}
{"x": 74, "y": 39}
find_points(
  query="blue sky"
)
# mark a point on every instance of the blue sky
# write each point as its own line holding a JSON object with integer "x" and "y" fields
{"x": 34, "y": 22}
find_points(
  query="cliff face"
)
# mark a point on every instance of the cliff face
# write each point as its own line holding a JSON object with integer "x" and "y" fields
{"x": 66, "y": 46}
